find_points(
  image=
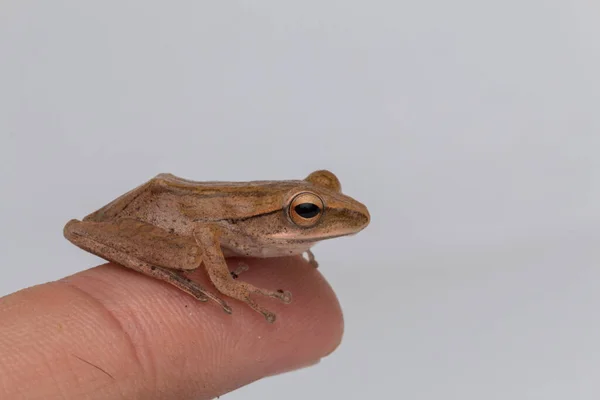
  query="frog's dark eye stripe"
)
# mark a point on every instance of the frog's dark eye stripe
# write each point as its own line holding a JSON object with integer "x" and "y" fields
{"x": 306, "y": 209}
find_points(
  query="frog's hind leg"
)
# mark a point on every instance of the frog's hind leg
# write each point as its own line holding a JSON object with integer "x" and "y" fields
{"x": 86, "y": 235}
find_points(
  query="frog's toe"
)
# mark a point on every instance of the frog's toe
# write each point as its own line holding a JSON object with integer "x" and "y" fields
{"x": 285, "y": 296}
{"x": 269, "y": 316}
{"x": 242, "y": 267}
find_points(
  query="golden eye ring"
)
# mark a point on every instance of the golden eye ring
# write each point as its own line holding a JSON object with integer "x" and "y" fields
{"x": 306, "y": 209}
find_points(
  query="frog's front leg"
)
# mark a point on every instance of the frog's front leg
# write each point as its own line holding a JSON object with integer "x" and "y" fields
{"x": 311, "y": 258}
{"x": 241, "y": 268}
{"x": 207, "y": 237}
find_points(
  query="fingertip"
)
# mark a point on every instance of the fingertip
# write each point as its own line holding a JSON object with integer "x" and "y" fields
{"x": 151, "y": 337}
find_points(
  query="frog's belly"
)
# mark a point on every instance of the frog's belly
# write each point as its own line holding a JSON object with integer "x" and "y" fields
{"x": 246, "y": 250}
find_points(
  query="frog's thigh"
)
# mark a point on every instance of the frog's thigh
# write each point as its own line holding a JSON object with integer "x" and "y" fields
{"x": 85, "y": 236}
{"x": 141, "y": 240}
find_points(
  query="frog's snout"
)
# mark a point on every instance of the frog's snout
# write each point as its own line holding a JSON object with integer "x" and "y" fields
{"x": 364, "y": 217}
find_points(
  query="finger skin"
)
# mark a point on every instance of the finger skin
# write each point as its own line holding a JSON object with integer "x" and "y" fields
{"x": 112, "y": 333}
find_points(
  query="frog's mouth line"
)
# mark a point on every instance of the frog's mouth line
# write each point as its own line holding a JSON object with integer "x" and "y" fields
{"x": 316, "y": 238}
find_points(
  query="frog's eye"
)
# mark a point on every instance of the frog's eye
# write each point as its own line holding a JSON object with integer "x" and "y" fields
{"x": 306, "y": 209}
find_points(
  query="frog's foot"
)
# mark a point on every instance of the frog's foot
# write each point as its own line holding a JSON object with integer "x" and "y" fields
{"x": 242, "y": 290}
{"x": 242, "y": 267}
{"x": 182, "y": 282}
{"x": 311, "y": 258}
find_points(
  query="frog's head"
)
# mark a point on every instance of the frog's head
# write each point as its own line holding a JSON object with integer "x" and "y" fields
{"x": 319, "y": 210}
{"x": 291, "y": 216}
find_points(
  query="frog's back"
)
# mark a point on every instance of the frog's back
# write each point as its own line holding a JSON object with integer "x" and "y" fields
{"x": 208, "y": 200}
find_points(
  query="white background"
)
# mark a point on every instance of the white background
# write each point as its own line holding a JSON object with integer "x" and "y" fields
{"x": 469, "y": 128}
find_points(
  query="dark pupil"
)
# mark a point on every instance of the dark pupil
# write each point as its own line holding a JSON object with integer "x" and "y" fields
{"x": 307, "y": 210}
